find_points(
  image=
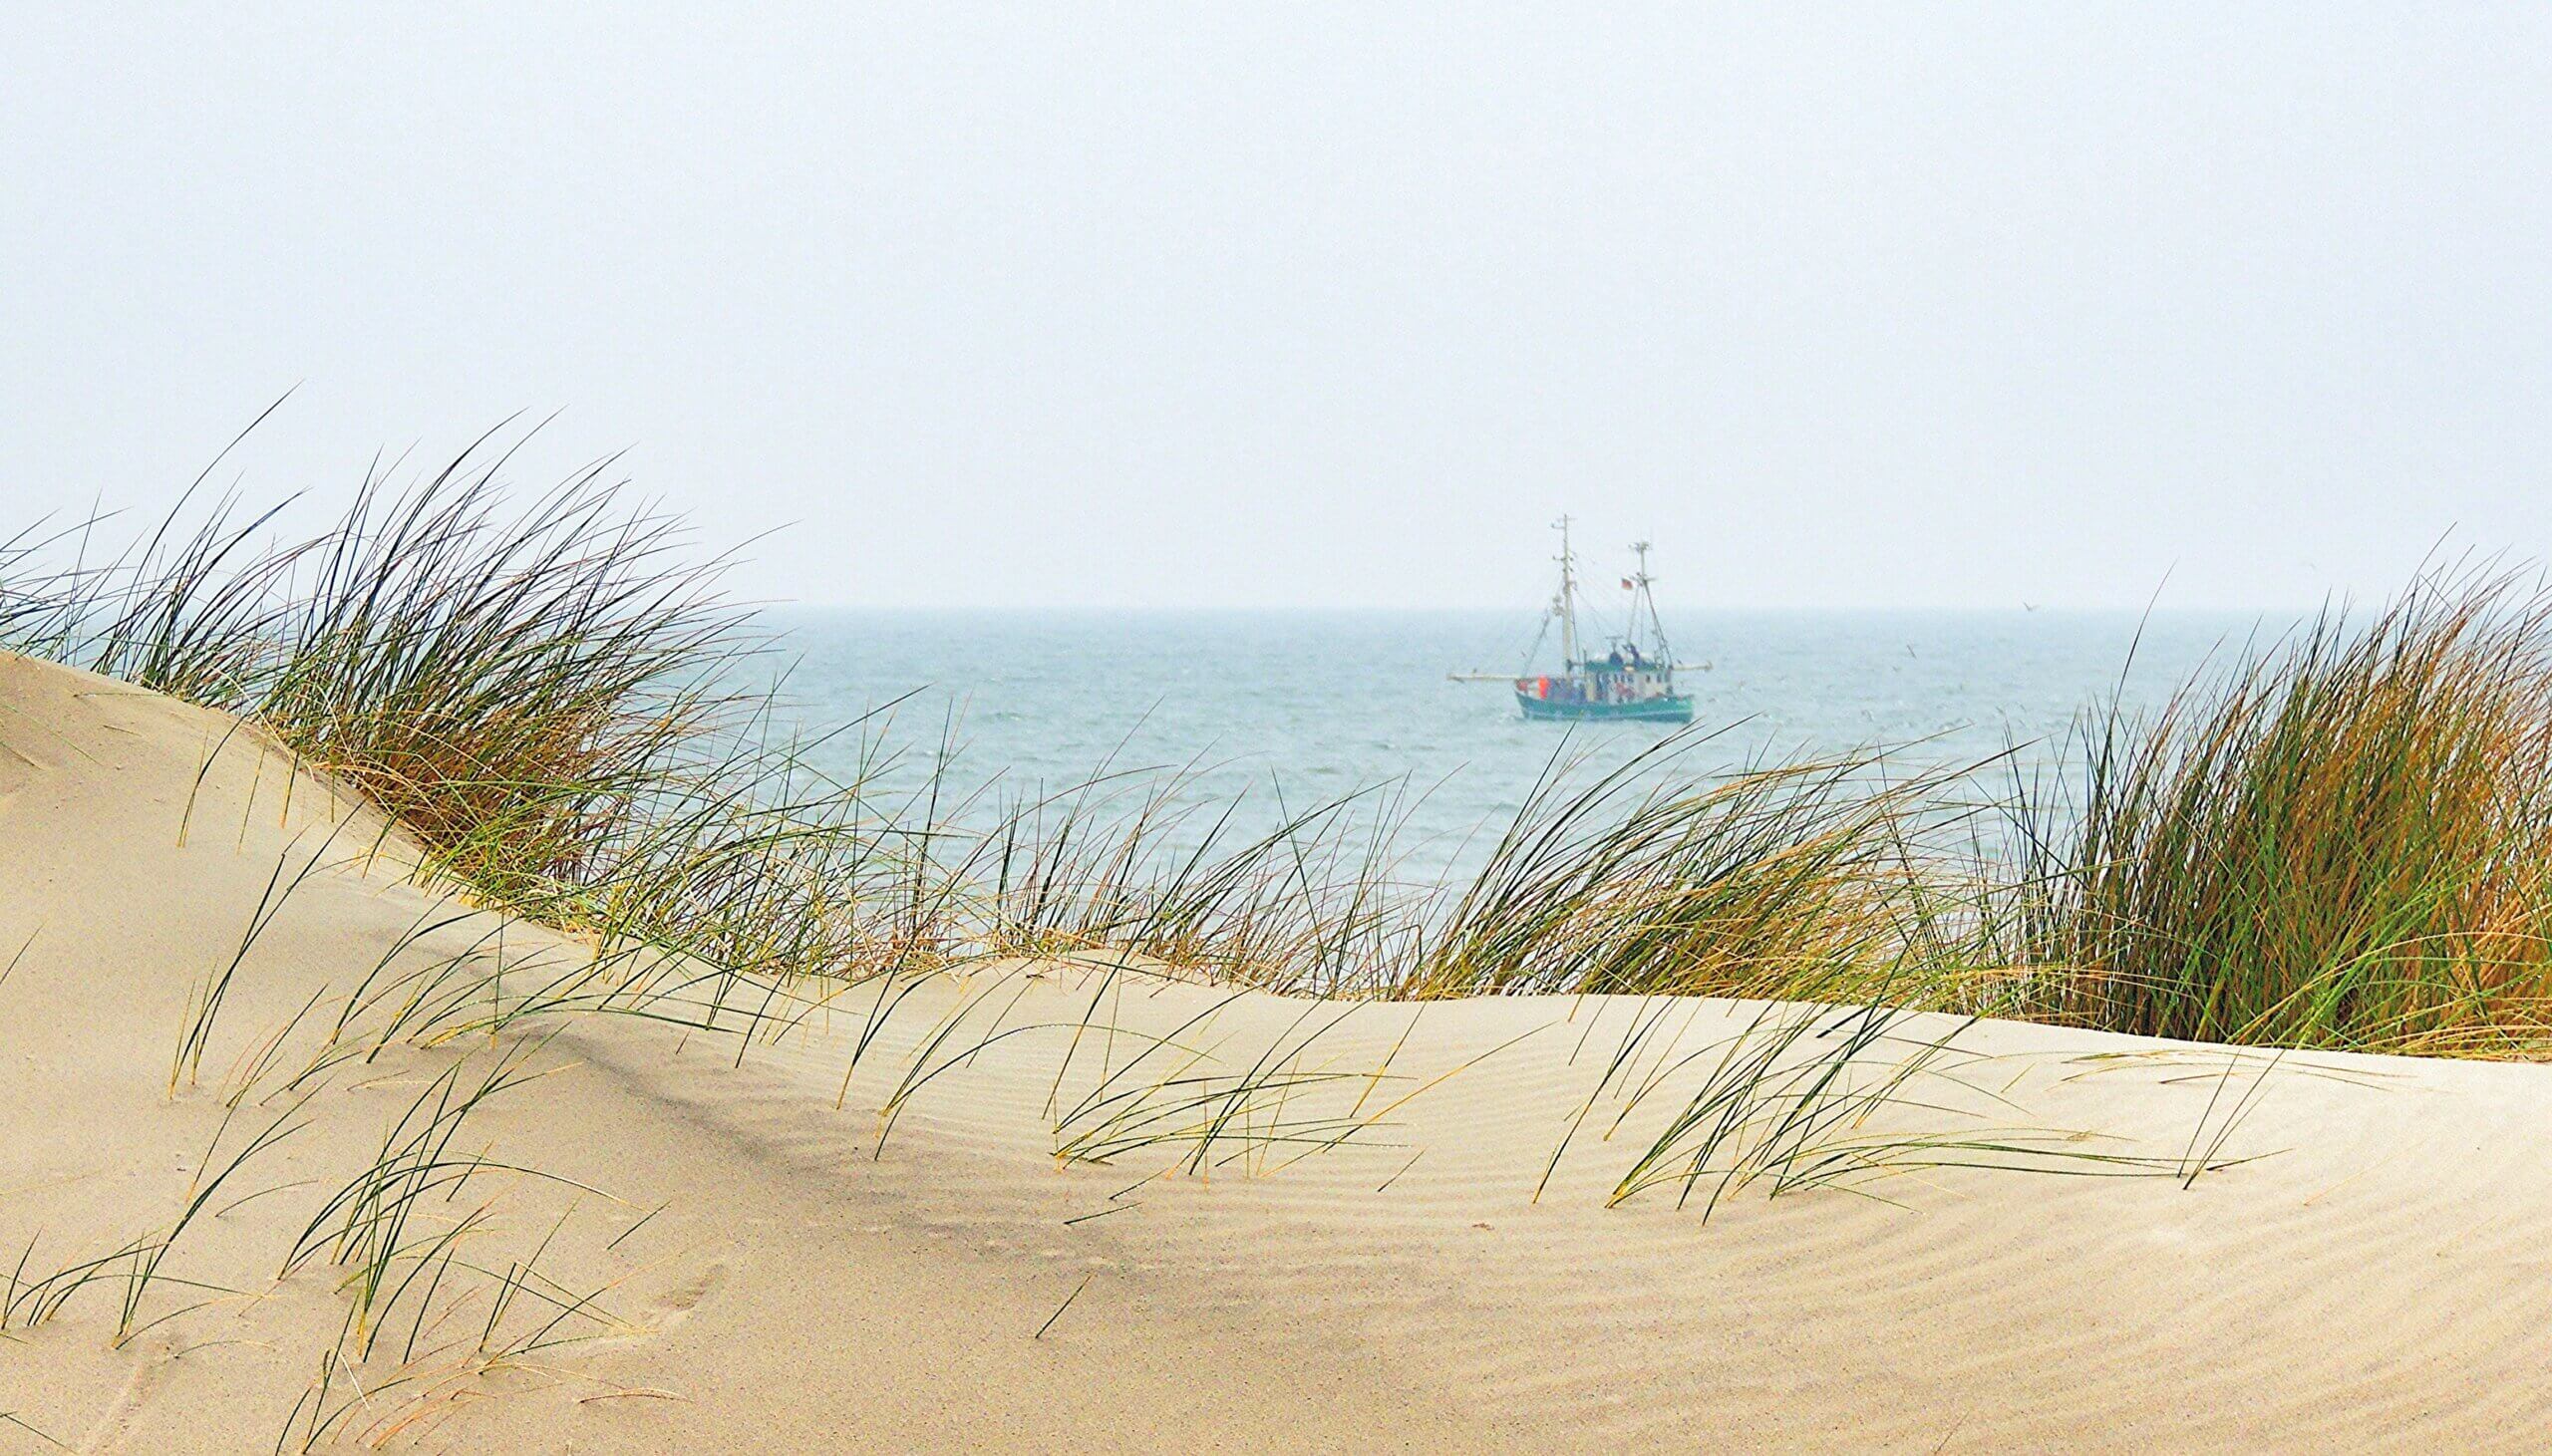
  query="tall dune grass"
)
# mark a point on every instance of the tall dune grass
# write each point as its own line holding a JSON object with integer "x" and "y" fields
{"x": 549, "y": 696}
{"x": 2346, "y": 841}
{"x": 2341, "y": 843}
{"x": 1802, "y": 880}
{"x": 1806, "y": 880}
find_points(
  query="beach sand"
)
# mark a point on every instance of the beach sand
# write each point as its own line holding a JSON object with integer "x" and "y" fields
{"x": 1287, "y": 1225}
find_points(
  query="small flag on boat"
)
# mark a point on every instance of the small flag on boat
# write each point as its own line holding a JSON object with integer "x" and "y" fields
{"x": 1627, "y": 585}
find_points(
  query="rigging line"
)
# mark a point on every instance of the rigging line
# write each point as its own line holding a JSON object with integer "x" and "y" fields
{"x": 1604, "y": 624}
{"x": 1541, "y": 633}
{"x": 1523, "y": 661}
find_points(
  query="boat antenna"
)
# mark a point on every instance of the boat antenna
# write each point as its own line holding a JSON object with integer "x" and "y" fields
{"x": 1567, "y": 602}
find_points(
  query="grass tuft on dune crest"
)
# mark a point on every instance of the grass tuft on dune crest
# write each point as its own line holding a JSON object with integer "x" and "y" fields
{"x": 551, "y": 697}
{"x": 1809, "y": 880}
{"x": 2345, "y": 842}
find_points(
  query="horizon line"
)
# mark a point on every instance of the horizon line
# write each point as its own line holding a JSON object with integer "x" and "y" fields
{"x": 1409, "y": 609}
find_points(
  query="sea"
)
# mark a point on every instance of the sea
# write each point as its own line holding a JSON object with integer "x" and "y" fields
{"x": 1268, "y": 714}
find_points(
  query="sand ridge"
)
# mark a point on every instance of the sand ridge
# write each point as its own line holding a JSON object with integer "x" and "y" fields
{"x": 1276, "y": 1223}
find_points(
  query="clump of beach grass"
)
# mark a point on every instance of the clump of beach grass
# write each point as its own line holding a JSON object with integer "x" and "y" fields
{"x": 1816, "y": 879}
{"x": 1141, "y": 865}
{"x": 1810, "y": 879}
{"x": 552, "y": 698}
{"x": 2344, "y": 841}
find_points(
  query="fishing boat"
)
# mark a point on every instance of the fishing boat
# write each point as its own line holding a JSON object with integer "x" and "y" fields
{"x": 1631, "y": 679}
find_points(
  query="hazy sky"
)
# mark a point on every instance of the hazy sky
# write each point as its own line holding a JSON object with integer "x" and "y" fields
{"x": 1272, "y": 305}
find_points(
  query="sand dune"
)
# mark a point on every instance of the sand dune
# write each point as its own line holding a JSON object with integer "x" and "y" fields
{"x": 1070, "y": 1206}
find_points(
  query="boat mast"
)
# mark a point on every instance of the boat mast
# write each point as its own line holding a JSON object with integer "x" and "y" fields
{"x": 1645, "y": 601}
{"x": 1567, "y": 603}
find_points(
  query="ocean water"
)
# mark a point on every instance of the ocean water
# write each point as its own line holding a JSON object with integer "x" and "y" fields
{"x": 1286, "y": 709}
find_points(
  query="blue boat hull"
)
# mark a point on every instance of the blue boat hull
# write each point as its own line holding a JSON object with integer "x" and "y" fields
{"x": 1645, "y": 710}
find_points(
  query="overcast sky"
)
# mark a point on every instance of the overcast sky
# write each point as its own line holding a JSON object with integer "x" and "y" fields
{"x": 1244, "y": 305}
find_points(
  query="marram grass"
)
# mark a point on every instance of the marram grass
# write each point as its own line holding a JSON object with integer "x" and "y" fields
{"x": 2339, "y": 843}
{"x": 2344, "y": 842}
